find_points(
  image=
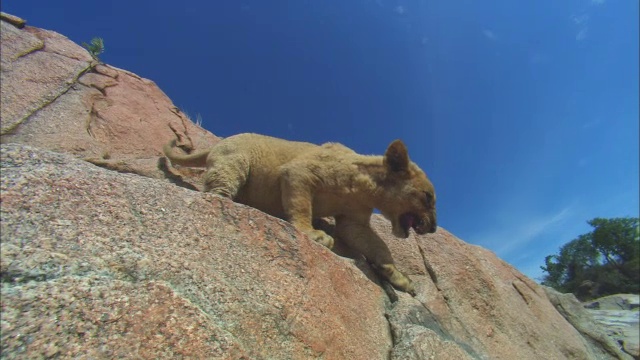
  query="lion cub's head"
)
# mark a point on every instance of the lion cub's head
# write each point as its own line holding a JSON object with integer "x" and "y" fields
{"x": 409, "y": 197}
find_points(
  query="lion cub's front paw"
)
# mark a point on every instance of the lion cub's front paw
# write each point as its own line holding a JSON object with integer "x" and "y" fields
{"x": 398, "y": 279}
{"x": 408, "y": 287}
{"x": 321, "y": 237}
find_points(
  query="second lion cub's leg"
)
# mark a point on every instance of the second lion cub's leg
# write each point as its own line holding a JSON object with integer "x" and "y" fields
{"x": 359, "y": 236}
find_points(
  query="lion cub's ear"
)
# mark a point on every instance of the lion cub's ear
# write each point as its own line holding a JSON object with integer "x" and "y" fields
{"x": 397, "y": 158}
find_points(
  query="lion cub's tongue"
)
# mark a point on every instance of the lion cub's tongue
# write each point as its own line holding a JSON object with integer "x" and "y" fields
{"x": 408, "y": 220}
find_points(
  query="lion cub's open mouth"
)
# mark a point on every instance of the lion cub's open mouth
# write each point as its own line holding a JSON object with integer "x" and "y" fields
{"x": 410, "y": 220}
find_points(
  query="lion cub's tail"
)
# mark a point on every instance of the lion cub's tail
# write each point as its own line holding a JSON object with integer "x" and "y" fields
{"x": 195, "y": 159}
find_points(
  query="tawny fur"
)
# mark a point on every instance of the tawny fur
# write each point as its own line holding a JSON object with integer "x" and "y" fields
{"x": 299, "y": 182}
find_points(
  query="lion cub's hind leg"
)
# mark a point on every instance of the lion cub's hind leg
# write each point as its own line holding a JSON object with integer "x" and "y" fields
{"x": 226, "y": 175}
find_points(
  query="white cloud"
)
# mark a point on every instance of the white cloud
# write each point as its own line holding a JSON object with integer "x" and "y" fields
{"x": 583, "y": 162}
{"x": 400, "y": 10}
{"x": 582, "y": 34}
{"x": 580, "y": 19}
{"x": 489, "y": 34}
{"x": 539, "y": 58}
{"x": 520, "y": 231}
{"x": 590, "y": 124}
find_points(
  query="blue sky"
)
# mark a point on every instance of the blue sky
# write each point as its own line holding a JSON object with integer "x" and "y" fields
{"x": 523, "y": 114}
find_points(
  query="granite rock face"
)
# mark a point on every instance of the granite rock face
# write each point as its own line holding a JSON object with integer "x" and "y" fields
{"x": 101, "y": 264}
{"x": 90, "y": 258}
{"x": 619, "y": 315}
{"x": 56, "y": 96}
{"x": 478, "y": 302}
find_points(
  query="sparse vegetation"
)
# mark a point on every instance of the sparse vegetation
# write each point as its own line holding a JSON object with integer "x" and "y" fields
{"x": 95, "y": 47}
{"x": 198, "y": 120}
{"x": 603, "y": 262}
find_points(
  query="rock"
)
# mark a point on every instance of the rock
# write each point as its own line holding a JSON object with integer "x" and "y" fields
{"x": 58, "y": 98}
{"x": 569, "y": 306}
{"x": 91, "y": 257}
{"x": 619, "y": 315}
{"x": 13, "y": 20}
{"x": 105, "y": 265}
{"x": 485, "y": 307}
{"x": 418, "y": 334}
{"x": 615, "y": 302}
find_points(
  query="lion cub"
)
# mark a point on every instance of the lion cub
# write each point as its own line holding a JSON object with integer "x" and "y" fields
{"x": 299, "y": 182}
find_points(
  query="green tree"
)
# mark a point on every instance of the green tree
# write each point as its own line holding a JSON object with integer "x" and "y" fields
{"x": 95, "y": 47}
{"x": 603, "y": 262}
{"x": 616, "y": 239}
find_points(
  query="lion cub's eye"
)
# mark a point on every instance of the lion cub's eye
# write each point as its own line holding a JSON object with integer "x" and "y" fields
{"x": 428, "y": 198}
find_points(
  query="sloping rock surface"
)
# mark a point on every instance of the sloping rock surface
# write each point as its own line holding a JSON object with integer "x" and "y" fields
{"x": 620, "y": 316}
{"x": 574, "y": 311}
{"x": 615, "y": 302}
{"x": 479, "y": 302}
{"x": 56, "y": 97}
{"x": 97, "y": 264}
